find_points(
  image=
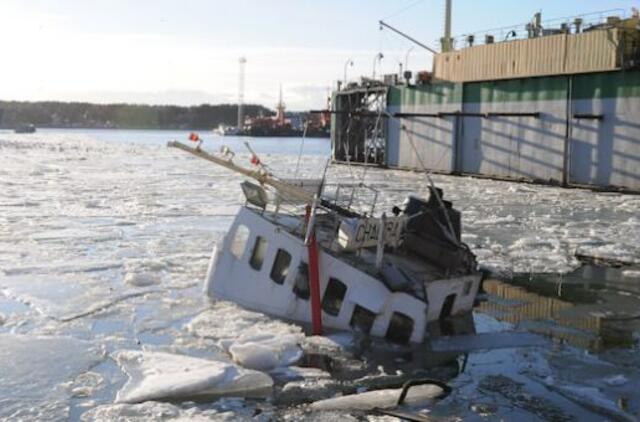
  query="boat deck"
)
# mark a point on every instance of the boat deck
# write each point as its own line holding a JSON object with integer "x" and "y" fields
{"x": 397, "y": 264}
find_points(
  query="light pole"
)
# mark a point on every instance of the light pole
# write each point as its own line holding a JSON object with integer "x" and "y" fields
{"x": 406, "y": 58}
{"x": 348, "y": 63}
{"x": 377, "y": 58}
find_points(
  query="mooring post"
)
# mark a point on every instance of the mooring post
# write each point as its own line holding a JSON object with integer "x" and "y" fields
{"x": 314, "y": 276}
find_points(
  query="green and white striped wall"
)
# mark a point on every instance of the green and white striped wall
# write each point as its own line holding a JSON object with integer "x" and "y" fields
{"x": 554, "y": 147}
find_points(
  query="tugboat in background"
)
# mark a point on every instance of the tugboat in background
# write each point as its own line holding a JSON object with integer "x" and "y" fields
{"x": 25, "y": 128}
{"x": 283, "y": 125}
{"x": 312, "y": 125}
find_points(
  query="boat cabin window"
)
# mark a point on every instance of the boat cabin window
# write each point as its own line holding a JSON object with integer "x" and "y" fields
{"x": 280, "y": 267}
{"x": 258, "y": 254}
{"x": 400, "y": 328}
{"x": 362, "y": 319}
{"x": 333, "y": 296}
{"x": 301, "y": 284}
{"x": 239, "y": 241}
{"x": 447, "y": 306}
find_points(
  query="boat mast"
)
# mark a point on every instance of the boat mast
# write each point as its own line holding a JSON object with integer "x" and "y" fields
{"x": 265, "y": 178}
{"x": 259, "y": 174}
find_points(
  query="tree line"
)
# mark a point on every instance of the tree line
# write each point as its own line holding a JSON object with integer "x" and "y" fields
{"x": 122, "y": 116}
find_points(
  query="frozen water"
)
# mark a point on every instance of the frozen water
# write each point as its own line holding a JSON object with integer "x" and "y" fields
{"x": 108, "y": 240}
{"x": 112, "y": 188}
{"x": 158, "y": 376}
{"x": 222, "y": 410}
{"x": 252, "y": 339}
{"x": 64, "y": 297}
{"x": 35, "y": 372}
{"x": 592, "y": 398}
{"x": 141, "y": 279}
{"x": 266, "y": 351}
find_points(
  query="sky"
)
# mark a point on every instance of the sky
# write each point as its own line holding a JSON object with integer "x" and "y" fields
{"x": 186, "y": 52}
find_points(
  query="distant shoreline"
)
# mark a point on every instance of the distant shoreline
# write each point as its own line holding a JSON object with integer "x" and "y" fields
{"x": 4, "y": 128}
{"x": 63, "y": 115}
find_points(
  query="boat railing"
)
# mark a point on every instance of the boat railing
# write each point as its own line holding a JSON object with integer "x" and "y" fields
{"x": 356, "y": 197}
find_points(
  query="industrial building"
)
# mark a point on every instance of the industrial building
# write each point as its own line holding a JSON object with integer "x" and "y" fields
{"x": 557, "y": 105}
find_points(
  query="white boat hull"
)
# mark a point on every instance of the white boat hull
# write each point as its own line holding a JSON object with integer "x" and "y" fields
{"x": 234, "y": 275}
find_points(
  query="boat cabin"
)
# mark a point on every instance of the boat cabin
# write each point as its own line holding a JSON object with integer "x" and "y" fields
{"x": 262, "y": 264}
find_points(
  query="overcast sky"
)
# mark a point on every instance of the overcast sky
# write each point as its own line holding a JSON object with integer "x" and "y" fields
{"x": 186, "y": 52}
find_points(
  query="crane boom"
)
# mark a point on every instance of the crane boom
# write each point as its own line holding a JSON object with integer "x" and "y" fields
{"x": 402, "y": 34}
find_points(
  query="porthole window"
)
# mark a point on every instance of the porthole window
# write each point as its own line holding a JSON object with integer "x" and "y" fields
{"x": 400, "y": 328}
{"x": 301, "y": 284}
{"x": 333, "y": 296}
{"x": 280, "y": 267}
{"x": 258, "y": 254}
{"x": 239, "y": 242}
{"x": 362, "y": 319}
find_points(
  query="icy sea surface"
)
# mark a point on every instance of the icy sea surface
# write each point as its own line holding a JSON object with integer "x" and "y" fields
{"x": 104, "y": 242}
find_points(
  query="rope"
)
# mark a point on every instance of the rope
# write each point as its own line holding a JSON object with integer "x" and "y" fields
{"x": 452, "y": 232}
{"x": 304, "y": 134}
{"x": 404, "y": 9}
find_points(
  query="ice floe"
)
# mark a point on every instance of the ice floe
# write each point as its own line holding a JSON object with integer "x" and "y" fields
{"x": 142, "y": 279}
{"x": 35, "y": 371}
{"x": 222, "y": 410}
{"x": 66, "y": 297}
{"x": 265, "y": 351}
{"x": 166, "y": 376}
{"x": 252, "y": 339}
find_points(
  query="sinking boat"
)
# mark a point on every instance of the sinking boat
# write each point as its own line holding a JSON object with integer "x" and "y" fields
{"x": 300, "y": 250}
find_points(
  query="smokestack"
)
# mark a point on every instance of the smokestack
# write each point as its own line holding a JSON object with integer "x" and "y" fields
{"x": 446, "y": 40}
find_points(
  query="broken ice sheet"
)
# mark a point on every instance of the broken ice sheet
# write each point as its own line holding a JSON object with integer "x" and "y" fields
{"x": 226, "y": 409}
{"x": 252, "y": 339}
{"x": 265, "y": 351}
{"x": 67, "y": 296}
{"x": 166, "y": 376}
{"x": 34, "y": 372}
